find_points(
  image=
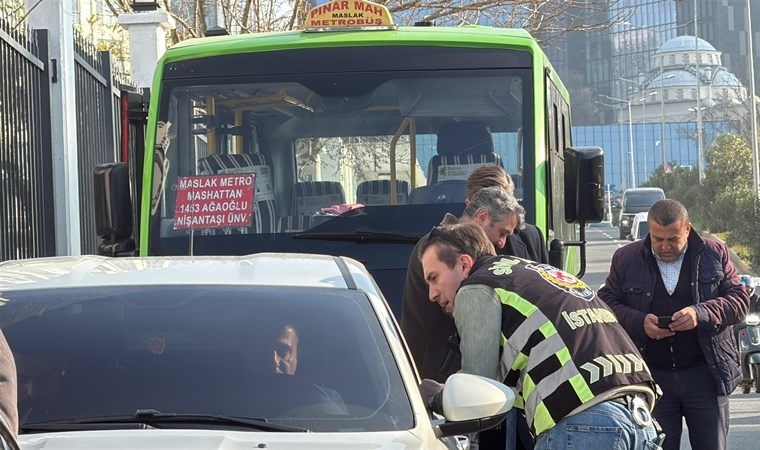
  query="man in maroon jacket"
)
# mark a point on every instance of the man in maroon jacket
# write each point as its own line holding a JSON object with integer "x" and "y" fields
{"x": 678, "y": 295}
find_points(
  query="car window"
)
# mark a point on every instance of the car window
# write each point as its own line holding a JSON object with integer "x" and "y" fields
{"x": 205, "y": 350}
{"x": 640, "y": 199}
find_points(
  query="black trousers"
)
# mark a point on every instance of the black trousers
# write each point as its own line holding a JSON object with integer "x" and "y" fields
{"x": 519, "y": 439}
{"x": 691, "y": 394}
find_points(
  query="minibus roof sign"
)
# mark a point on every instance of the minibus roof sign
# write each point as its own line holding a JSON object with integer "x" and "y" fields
{"x": 341, "y": 15}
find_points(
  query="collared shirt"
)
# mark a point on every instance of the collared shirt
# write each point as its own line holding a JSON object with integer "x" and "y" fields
{"x": 670, "y": 270}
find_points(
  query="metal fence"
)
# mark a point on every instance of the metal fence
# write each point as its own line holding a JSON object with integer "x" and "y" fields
{"x": 27, "y": 209}
{"x": 98, "y": 100}
{"x": 26, "y": 189}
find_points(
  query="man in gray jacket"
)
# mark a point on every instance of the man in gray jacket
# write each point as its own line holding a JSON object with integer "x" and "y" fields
{"x": 678, "y": 295}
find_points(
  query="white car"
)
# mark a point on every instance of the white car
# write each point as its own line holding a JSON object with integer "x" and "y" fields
{"x": 190, "y": 353}
{"x": 640, "y": 227}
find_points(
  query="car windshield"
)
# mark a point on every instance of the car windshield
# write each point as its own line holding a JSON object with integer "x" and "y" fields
{"x": 262, "y": 155}
{"x": 641, "y": 199}
{"x": 210, "y": 350}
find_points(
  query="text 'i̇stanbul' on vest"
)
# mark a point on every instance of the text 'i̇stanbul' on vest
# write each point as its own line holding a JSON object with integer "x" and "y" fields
{"x": 583, "y": 317}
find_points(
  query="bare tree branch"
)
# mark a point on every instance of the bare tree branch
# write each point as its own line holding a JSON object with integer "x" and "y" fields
{"x": 546, "y": 20}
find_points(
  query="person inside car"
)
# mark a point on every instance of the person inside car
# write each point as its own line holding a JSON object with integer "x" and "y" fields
{"x": 286, "y": 363}
{"x": 286, "y": 350}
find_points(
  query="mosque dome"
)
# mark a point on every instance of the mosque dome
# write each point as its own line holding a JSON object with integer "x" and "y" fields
{"x": 724, "y": 78}
{"x": 685, "y": 44}
{"x": 673, "y": 78}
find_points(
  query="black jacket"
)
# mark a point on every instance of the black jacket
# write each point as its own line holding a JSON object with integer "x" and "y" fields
{"x": 528, "y": 243}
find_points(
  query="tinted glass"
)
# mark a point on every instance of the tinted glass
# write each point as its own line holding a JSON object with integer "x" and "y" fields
{"x": 206, "y": 350}
{"x": 641, "y": 199}
{"x": 336, "y": 129}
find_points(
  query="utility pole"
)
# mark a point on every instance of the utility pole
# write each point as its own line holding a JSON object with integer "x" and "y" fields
{"x": 700, "y": 158}
{"x": 753, "y": 106}
{"x": 630, "y": 140}
{"x": 621, "y": 153}
{"x": 644, "y": 120}
{"x": 662, "y": 114}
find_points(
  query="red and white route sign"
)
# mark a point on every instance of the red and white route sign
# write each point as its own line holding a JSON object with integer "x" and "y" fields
{"x": 214, "y": 201}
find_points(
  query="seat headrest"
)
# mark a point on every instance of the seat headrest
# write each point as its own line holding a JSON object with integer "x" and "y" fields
{"x": 464, "y": 137}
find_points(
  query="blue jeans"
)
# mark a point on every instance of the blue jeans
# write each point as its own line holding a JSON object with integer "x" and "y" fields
{"x": 608, "y": 425}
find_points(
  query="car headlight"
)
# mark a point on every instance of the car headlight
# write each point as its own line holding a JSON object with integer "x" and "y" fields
{"x": 752, "y": 319}
{"x": 624, "y": 221}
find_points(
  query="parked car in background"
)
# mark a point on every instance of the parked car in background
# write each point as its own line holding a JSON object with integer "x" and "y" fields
{"x": 639, "y": 227}
{"x": 634, "y": 201}
{"x": 267, "y": 350}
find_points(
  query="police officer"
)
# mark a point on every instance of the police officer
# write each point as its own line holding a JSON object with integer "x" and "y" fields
{"x": 571, "y": 365}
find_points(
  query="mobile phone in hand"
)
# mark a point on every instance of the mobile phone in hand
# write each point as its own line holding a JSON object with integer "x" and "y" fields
{"x": 664, "y": 322}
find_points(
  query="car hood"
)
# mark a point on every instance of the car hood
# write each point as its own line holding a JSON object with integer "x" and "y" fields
{"x": 153, "y": 439}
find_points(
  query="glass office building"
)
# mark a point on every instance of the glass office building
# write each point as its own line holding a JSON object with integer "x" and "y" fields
{"x": 617, "y": 142}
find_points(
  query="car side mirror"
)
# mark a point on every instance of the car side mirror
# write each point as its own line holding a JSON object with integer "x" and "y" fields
{"x": 113, "y": 209}
{"x": 584, "y": 184}
{"x": 472, "y": 403}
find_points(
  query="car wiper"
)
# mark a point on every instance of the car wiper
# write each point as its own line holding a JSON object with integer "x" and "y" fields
{"x": 156, "y": 419}
{"x": 359, "y": 235}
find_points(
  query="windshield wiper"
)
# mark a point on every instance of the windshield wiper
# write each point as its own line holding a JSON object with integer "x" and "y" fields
{"x": 359, "y": 235}
{"x": 144, "y": 418}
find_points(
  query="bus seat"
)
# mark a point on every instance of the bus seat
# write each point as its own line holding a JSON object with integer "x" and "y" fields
{"x": 263, "y": 206}
{"x": 310, "y": 196}
{"x": 461, "y": 147}
{"x": 378, "y": 192}
{"x": 517, "y": 179}
{"x": 452, "y": 191}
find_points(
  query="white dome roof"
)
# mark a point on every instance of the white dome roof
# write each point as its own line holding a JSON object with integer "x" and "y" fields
{"x": 685, "y": 44}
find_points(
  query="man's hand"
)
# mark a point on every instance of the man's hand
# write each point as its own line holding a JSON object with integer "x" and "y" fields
{"x": 432, "y": 394}
{"x": 429, "y": 388}
{"x": 684, "y": 320}
{"x": 653, "y": 331}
